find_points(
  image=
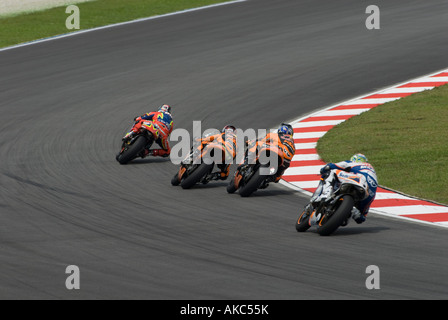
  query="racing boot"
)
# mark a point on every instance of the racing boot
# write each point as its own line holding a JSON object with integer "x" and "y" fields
{"x": 160, "y": 153}
{"x": 220, "y": 175}
{"x": 225, "y": 170}
{"x": 358, "y": 216}
{"x": 145, "y": 153}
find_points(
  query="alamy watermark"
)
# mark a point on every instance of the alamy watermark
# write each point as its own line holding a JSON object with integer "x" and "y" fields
{"x": 373, "y": 280}
{"x": 373, "y": 20}
{"x": 187, "y": 142}
{"x": 247, "y": 146}
{"x": 73, "y": 20}
{"x": 73, "y": 280}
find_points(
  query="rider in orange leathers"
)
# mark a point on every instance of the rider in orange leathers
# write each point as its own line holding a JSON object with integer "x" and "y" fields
{"x": 282, "y": 138}
{"x": 226, "y": 137}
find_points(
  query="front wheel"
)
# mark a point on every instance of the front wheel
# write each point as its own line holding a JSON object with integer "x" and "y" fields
{"x": 303, "y": 222}
{"x": 234, "y": 183}
{"x": 231, "y": 186}
{"x": 342, "y": 213}
{"x": 175, "y": 180}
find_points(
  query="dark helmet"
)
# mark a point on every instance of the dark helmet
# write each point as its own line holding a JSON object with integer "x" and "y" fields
{"x": 285, "y": 129}
{"x": 228, "y": 127}
{"x": 165, "y": 108}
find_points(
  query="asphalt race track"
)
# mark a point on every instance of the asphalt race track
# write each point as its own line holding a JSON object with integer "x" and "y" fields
{"x": 65, "y": 200}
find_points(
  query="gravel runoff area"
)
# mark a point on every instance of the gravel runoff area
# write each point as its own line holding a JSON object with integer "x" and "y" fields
{"x": 13, "y": 7}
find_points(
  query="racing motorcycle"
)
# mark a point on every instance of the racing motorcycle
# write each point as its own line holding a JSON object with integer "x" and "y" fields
{"x": 270, "y": 157}
{"x": 135, "y": 144}
{"x": 347, "y": 190}
{"x": 198, "y": 166}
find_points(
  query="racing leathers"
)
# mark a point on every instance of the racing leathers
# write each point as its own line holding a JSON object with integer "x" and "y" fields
{"x": 161, "y": 125}
{"x": 365, "y": 169}
{"x": 228, "y": 139}
{"x": 285, "y": 142}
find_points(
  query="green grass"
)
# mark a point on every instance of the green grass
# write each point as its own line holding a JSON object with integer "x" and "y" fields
{"x": 43, "y": 24}
{"x": 405, "y": 140}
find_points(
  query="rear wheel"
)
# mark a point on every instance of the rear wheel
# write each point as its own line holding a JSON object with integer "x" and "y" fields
{"x": 253, "y": 184}
{"x": 131, "y": 151}
{"x": 341, "y": 214}
{"x": 196, "y": 175}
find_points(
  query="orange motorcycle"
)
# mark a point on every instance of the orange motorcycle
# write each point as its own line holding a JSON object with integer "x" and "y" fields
{"x": 198, "y": 166}
{"x": 272, "y": 156}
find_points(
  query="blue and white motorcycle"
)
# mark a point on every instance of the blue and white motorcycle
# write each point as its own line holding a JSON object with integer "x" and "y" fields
{"x": 344, "y": 191}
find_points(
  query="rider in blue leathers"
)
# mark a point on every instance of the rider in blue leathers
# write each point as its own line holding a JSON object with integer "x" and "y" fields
{"x": 357, "y": 164}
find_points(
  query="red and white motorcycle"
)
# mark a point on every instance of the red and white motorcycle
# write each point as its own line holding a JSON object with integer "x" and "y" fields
{"x": 137, "y": 141}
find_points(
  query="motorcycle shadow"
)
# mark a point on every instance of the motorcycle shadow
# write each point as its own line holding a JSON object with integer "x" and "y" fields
{"x": 210, "y": 185}
{"x": 354, "y": 230}
{"x": 271, "y": 193}
{"x": 147, "y": 160}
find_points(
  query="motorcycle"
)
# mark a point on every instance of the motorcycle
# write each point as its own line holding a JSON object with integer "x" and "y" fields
{"x": 347, "y": 190}
{"x": 270, "y": 157}
{"x": 198, "y": 166}
{"x": 135, "y": 144}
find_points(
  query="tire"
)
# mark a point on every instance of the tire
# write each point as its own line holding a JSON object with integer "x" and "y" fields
{"x": 175, "y": 180}
{"x": 132, "y": 151}
{"x": 196, "y": 175}
{"x": 335, "y": 221}
{"x": 252, "y": 185}
{"x": 231, "y": 186}
{"x": 302, "y": 223}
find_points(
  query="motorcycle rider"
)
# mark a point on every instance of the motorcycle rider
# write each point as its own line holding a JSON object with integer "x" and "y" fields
{"x": 358, "y": 164}
{"x": 162, "y": 123}
{"x": 284, "y": 135}
{"x": 228, "y": 134}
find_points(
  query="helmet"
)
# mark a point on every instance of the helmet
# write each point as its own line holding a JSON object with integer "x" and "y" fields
{"x": 165, "y": 108}
{"x": 228, "y": 127}
{"x": 359, "y": 157}
{"x": 286, "y": 129}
